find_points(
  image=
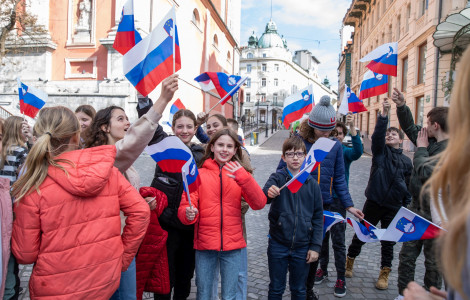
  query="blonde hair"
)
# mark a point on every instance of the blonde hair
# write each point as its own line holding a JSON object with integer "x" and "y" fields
{"x": 451, "y": 178}
{"x": 55, "y": 127}
{"x": 12, "y": 137}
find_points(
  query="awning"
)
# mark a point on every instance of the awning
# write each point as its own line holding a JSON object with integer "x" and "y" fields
{"x": 453, "y": 32}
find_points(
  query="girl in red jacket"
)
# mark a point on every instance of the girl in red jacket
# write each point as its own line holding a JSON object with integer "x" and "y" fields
{"x": 216, "y": 212}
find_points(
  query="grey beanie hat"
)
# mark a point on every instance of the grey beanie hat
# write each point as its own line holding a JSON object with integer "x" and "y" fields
{"x": 323, "y": 115}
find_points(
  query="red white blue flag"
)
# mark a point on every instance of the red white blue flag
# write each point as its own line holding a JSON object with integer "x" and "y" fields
{"x": 296, "y": 105}
{"x": 126, "y": 36}
{"x": 315, "y": 156}
{"x": 373, "y": 84}
{"x": 366, "y": 232}
{"x": 177, "y": 105}
{"x": 151, "y": 60}
{"x": 350, "y": 103}
{"x": 31, "y": 99}
{"x": 330, "y": 219}
{"x": 383, "y": 59}
{"x": 226, "y": 85}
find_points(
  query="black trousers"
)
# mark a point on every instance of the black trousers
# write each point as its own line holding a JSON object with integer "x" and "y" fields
{"x": 374, "y": 214}
{"x": 181, "y": 262}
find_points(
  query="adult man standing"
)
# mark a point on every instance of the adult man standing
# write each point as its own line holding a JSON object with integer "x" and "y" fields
{"x": 430, "y": 141}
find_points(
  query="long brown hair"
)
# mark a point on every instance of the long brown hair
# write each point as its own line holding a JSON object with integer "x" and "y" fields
{"x": 95, "y": 136}
{"x": 307, "y": 132}
{"x": 451, "y": 178}
{"x": 55, "y": 128}
{"x": 238, "y": 153}
{"x": 12, "y": 136}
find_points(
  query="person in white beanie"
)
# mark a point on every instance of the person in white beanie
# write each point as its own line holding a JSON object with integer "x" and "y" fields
{"x": 330, "y": 176}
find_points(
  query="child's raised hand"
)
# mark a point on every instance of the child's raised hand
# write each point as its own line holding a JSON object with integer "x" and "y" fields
{"x": 273, "y": 192}
{"x": 312, "y": 256}
{"x": 386, "y": 107}
{"x": 232, "y": 167}
{"x": 191, "y": 213}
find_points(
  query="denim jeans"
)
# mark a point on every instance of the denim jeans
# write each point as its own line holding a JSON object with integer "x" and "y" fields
{"x": 242, "y": 288}
{"x": 282, "y": 258}
{"x": 128, "y": 286}
{"x": 12, "y": 282}
{"x": 206, "y": 264}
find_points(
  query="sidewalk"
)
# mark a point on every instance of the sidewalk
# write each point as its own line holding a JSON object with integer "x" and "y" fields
{"x": 261, "y": 139}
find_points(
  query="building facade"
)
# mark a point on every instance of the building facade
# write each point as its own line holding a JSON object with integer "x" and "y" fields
{"x": 76, "y": 64}
{"x": 422, "y": 69}
{"x": 274, "y": 74}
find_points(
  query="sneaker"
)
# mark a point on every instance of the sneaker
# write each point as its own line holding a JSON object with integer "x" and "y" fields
{"x": 320, "y": 276}
{"x": 340, "y": 288}
{"x": 312, "y": 295}
{"x": 399, "y": 297}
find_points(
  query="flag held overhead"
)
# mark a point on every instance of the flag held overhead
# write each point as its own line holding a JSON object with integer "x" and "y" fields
{"x": 383, "y": 59}
{"x": 225, "y": 84}
{"x": 126, "y": 36}
{"x": 31, "y": 99}
{"x": 296, "y": 105}
{"x": 350, "y": 103}
{"x": 373, "y": 84}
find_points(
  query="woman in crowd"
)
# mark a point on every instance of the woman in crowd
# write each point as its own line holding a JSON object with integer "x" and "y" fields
{"x": 67, "y": 214}
{"x": 85, "y": 114}
{"x": 111, "y": 127}
{"x": 217, "y": 213}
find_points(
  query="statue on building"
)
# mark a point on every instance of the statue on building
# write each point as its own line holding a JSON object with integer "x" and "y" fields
{"x": 84, "y": 9}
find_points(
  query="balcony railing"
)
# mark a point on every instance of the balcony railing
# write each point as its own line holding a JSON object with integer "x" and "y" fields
{"x": 4, "y": 113}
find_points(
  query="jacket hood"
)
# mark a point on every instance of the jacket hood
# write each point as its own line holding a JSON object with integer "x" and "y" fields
{"x": 88, "y": 173}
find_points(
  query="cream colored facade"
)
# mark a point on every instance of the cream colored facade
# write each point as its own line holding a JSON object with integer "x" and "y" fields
{"x": 421, "y": 67}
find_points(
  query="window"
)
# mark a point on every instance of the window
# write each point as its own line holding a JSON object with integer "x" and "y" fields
{"x": 263, "y": 81}
{"x": 196, "y": 19}
{"x": 276, "y": 67}
{"x": 248, "y": 68}
{"x": 249, "y": 55}
{"x": 248, "y": 97}
{"x": 264, "y": 54}
{"x": 275, "y": 99}
{"x": 398, "y": 27}
{"x": 423, "y": 5}
{"x": 229, "y": 56}
{"x": 248, "y": 82}
{"x": 276, "y": 82}
{"x": 422, "y": 63}
{"x": 404, "y": 74}
{"x": 407, "y": 18}
{"x": 263, "y": 67}
{"x": 419, "y": 110}
{"x": 263, "y": 97}
{"x": 215, "y": 41}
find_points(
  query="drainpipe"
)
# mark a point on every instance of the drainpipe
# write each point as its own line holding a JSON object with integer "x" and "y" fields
{"x": 436, "y": 72}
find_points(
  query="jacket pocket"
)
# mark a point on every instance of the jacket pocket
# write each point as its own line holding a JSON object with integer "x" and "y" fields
{"x": 304, "y": 230}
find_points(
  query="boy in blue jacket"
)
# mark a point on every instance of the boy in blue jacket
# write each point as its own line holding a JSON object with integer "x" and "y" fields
{"x": 295, "y": 224}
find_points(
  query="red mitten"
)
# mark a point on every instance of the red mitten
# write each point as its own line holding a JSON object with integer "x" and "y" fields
{"x": 160, "y": 197}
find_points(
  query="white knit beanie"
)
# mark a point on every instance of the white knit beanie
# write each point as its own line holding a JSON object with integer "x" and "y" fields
{"x": 323, "y": 115}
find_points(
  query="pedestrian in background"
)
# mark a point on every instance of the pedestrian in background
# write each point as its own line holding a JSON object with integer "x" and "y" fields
{"x": 85, "y": 114}
{"x": 295, "y": 224}
{"x": 67, "y": 206}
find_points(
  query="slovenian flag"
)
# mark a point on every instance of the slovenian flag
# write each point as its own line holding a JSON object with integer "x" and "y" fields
{"x": 408, "y": 226}
{"x": 383, "y": 59}
{"x": 177, "y": 105}
{"x": 350, "y": 103}
{"x": 296, "y": 105}
{"x": 226, "y": 85}
{"x": 31, "y": 99}
{"x": 171, "y": 154}
{"x": 151, "y": 60}
{"x": 315, "y": 156}
{"x": 126, "y": 36}
{"x": 190, "y": 176}
{"x": 366, "y": 232}
{"x": 373, "y": 84}
{"x": 330, "y": 219}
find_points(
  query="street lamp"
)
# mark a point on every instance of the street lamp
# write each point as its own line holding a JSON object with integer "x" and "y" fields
{"x": 267, "y": 118}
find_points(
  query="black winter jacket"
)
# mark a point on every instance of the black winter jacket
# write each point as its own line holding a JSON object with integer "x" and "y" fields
{"x": 295, "y": 220}
{"x": 390, "y": 172}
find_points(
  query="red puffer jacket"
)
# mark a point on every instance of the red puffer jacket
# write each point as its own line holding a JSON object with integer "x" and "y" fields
{"x": 71, "y": 231}
{"x": 152, "y": 271}
{"x": 218, "y": 199}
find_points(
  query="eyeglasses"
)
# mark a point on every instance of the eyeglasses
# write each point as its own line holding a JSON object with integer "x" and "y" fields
{"x": 292, "y": 154}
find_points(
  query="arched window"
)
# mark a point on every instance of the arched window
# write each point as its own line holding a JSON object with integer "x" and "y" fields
{"x": 215, "y": 42}
{"x": 196, "y": 19}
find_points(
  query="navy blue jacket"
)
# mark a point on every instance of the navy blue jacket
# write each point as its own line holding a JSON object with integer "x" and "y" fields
{"x": 295, "y": 220}
{"x": 390, "y": 172}
{"x": 331, "y": 175}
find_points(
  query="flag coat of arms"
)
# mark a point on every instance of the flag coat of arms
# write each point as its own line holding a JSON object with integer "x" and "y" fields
{"x": 31, "y": 99}
{"x": 383, "y": 59}
{"x": 177, "y": 105}
{"x": 151, "y": 60}
{"x": 315, "y": 156}
{"x": 296, "y": 105}
{"x": 226, "y": 85}
{"x": 373, "y": 84}
{"x": 350, "y": 103}
{"x": 126, "y": 36}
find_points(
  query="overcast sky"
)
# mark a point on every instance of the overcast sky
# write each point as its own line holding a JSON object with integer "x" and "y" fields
{"x": 306, "y": 24}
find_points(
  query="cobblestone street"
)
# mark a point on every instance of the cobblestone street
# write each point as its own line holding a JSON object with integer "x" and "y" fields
{"x": 265, "y": 159}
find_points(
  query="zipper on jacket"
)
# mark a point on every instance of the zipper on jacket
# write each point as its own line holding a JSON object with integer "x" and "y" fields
{"x": 295, "y": 220}
{"x": 221, "y": 213}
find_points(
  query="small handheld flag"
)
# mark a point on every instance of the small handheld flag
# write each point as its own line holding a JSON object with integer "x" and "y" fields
{"x": 350, "y": 103}
{"x": 367, "y": 233}
{"x": 296, "y": 105}
{"x": 154, "y": 58}
{"x": 330, "y": 219}
{"x": 383, "y": 59}
{"x": 126, "y": 36}
{"x": 31, "y": 99}
{"x": 171, "y": 154}
{"x": 373, "y": 84}
{"x": 177, "y": 105}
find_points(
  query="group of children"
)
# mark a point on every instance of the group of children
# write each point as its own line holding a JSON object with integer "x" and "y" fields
{"x": 92, "y": 232}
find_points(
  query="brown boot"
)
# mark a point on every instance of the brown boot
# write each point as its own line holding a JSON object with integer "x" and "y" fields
{"x": 382, "y": 282}
{"x": 349, "y": 267}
